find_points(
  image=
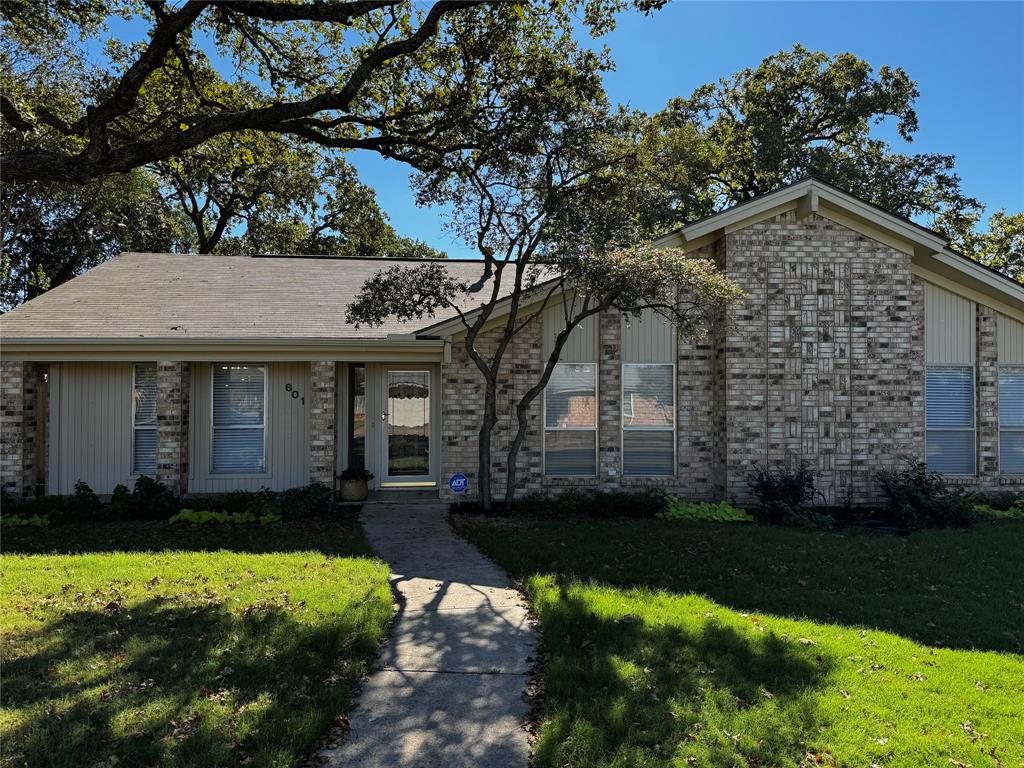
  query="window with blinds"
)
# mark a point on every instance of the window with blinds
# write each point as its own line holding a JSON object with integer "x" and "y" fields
{"x": 949, "y": 403}
{"x": 1011, "y": 420}
{"x": 570, "y": 421}
{"x": 144, "y": 419}
{"x": 648, "y": 419}
{"x": 239, "y": 419}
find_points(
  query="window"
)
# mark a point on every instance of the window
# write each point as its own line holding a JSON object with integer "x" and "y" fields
{"x": 144, "y": 419}
{"x": 570, "y": 421}
{"x": 239, "y": 424}
{"x": 357, "y": 416}
{"x": 1011, "y": 420}
{"x": 648, "y": 419}
{"x": 949, "y": 402}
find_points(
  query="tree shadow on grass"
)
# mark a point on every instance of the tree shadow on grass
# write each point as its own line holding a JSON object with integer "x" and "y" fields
{"x": 337, "y": 534}
{"x": 632, "y": 691}
{"x": 162, "y": 682}
{"x": 950, "y": 588}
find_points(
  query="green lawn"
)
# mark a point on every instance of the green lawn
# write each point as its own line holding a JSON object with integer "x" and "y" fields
{"x": 732, "y": 645}
{"x": 169, "y": 655}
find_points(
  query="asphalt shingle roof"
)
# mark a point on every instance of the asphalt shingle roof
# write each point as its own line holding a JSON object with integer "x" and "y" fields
{"x": 166, "y": 295}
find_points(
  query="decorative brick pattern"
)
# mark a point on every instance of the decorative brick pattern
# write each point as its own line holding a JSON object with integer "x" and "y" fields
{"x": 987, "y": 387}
{"x": 17, "y": 427}
{"x": 323, "y": 440}
{"x": 173, "y": 383}
{"x": 609, "y": 397}
{"x": 825, "y": 361}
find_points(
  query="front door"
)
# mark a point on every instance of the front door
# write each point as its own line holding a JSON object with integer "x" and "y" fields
{"x": 406, "y": 414}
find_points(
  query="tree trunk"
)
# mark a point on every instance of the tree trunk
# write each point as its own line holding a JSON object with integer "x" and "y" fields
{"x": 484, "y": 446}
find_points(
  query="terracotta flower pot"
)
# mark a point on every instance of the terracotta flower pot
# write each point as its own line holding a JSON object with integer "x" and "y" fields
{"x": 354, "y": 490}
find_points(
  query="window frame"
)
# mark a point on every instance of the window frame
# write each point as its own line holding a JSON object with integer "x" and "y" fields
{"x": 622, "y": 418}
{"x": 973, "y": 429}
{"x": 146, "y": 427}
{"x": 999, "y": 411}
{"x": 213, "y": 428}
{"x": 597, "y": 419}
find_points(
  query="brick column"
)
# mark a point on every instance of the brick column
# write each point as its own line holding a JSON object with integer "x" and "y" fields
{"x": 17, "y": 427}
{"x": 609, "y": 390}
{"x": 988, "y": 396}
{"x": 323, "y": 385}
{"x": 173, "y": 379}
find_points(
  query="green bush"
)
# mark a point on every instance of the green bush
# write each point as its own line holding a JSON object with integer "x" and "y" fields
{"x": 679, "y": 509}
{"x": 206, "y": 517}
{"x": 1014, "y": 511}
{"x": 784, "y": 496}
{"x": 307, "y": 501}
{"x": 83, "y": 504}
{"x": 14, "y": 521}
{"x": 576, "y": 502}
{"x": 1000, "y": 501}
{"x": 917, "y": 498}
{"x": 148, "y": 500}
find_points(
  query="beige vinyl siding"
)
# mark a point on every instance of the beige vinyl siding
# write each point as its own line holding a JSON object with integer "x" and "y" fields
{"x": 948, "y": 327}
{"x": 649, "y": 338}
{"x": 286, "y": 440}
{"x": 90, "y": 426}
{"x": 581, "y": 346}
{"x": 1010, "y": 340}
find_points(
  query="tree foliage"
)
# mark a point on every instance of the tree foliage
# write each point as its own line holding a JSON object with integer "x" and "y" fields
{"x": 404, "y": 79}
{"x": 51, "y": 232}
{"x": 561, "y": 225}
{"x": 803, "y": 113}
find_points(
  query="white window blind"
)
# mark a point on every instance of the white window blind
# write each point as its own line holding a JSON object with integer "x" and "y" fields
{"x": 144, "y": 419}
{"x": 949, "y": 401}
{"x": 570, "y": 421}
{"x": 648, "y": 419}
{"x": 1011, "y": 420}
{"x": 239, "y": 419}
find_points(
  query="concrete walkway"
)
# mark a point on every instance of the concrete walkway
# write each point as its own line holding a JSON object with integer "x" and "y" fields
{"x": 448, "y": 686}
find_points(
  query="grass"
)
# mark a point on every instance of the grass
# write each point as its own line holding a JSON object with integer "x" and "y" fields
{"x": 678, "y": 644}
{"x": 182, "y": 652}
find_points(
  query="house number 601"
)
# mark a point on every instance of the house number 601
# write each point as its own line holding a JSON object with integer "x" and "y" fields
{"x": 294, "y": 393}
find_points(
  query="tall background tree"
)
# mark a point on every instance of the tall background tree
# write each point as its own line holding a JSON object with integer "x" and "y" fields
{"x": 802, "y": 113}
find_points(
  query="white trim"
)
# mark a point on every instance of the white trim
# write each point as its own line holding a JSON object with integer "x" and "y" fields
{"x": 622, "y": 418}
{"x": 213, "y": 417}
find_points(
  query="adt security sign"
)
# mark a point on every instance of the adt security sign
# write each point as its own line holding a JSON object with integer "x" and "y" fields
{"x": 458, "y": 483}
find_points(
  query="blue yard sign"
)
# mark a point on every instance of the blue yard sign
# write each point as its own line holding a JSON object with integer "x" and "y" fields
{"x": 458, "y": 483}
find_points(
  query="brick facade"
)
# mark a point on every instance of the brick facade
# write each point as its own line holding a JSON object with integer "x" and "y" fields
{"x": 987, "y": 389}
{"x": 825, "y": 363}
{"x": 822, "y": 362}
{"x": 323, "y": 386}
{"x": 173, "y": 382}
{"x": 18, "y": 383}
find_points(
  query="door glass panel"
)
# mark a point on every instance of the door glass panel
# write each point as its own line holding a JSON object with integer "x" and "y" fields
{"x": 408, "y": 423}
{"x": 357, "y": 417}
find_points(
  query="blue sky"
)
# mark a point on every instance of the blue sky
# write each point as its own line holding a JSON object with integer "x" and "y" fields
{"x": 967, "y": 58}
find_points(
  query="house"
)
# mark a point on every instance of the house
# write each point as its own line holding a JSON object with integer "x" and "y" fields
{"x": 862, "y": 340}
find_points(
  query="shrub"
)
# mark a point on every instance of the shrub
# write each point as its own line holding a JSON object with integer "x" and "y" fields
{"x": 148, "y": 500}
{"x": 206, "y": 517}
{"x": 1000, "y": 501}
{"x": 920, "y": 499}
{"x": 577, "y": 502}
{"x": 679, "y": 509}
{"x": 356, "y": 473}
{"x": 14, "y": 521}
{"x": 83, "y": 504}
{"x": 308, "y": 501}
{"x": 1013, "y": 512}
{"x": 783, "y": 493}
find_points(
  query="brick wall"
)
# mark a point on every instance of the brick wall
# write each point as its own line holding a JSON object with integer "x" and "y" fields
{"x": 323, "y": 384}
{"x": 825, "y": 361}
{"x": 172, "y": 415}
{"x": 17, "y": 427}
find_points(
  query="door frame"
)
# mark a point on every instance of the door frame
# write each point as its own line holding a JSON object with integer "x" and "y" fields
{"x": 379, "y": 381}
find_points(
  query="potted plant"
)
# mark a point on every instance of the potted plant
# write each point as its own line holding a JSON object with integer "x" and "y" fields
{"x": 354, "y": 484}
